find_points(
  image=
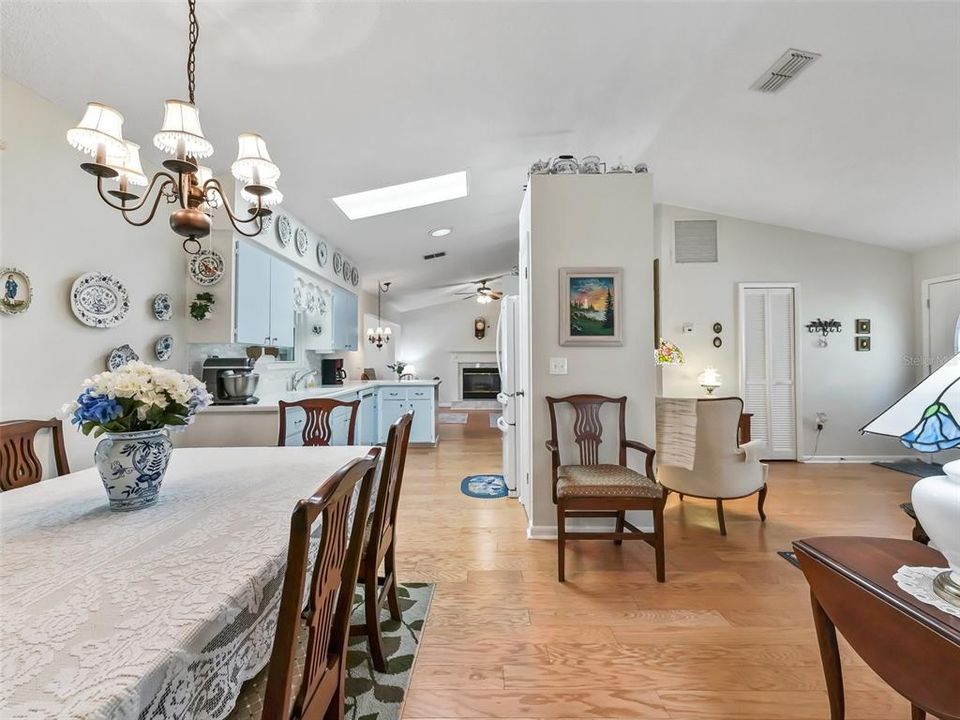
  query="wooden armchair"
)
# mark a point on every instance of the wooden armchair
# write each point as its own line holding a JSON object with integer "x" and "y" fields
{"x": 19, "y": 463}
{"x": 598, "y": 490}
{"x": 315, "y": 428}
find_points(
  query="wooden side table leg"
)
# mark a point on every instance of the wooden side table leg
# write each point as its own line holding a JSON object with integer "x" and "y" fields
{"x": 830, "y": 658}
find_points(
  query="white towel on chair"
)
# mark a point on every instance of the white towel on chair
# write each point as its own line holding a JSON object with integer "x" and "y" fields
{"x": 676, "y": 431}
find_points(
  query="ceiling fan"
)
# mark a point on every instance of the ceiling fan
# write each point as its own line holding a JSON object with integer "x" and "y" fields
{"x": 483, "y": 294}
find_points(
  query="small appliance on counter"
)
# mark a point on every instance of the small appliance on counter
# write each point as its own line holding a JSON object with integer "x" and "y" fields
{"x": 332, "y": 372}
{"x": 231, "y": 381}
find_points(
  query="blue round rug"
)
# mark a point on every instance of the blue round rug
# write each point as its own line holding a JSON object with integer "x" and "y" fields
{"x": 484, "y": 487}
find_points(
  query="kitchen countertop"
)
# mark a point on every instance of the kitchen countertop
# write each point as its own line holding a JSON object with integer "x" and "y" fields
{"x": 270, "y": 402}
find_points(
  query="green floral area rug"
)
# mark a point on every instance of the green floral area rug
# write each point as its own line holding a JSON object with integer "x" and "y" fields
{"x": 371, "y": 695}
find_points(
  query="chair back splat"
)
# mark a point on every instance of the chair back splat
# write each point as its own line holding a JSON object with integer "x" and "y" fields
{"x": 316, "y": 429}
{"x": 19, "y": 463}
{"x": 329, "y": 595}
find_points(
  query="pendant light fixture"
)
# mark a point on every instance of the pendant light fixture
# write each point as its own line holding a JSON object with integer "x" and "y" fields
{"x": 185, "y": 182}
{"x": 381, "y": 335}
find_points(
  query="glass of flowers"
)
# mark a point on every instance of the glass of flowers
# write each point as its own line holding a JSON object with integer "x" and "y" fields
{"x": 397, "y": 367}
{"x": 133, "y": 408}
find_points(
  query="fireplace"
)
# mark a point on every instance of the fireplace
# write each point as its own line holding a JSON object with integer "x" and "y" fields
{"x": 480, "y": 383}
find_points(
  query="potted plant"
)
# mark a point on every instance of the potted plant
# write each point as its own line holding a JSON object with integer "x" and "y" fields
{"x": 397, "y": 367}
{"x": 133, "y": 407}
{"x": 202, "y": 306}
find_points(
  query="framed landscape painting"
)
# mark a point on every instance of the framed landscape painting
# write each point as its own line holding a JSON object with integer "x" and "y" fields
{"x": 591, "y": 306}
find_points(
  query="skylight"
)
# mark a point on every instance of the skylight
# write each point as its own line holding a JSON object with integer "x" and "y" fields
{"x": 404, "y": 196}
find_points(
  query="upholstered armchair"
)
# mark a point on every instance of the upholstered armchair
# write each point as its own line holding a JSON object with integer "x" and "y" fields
{"x": 722, "y": 469}
{"x": 592, "y": 488}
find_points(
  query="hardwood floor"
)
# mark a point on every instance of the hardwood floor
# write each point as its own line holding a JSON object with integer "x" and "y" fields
{"x": 729, "y": 636}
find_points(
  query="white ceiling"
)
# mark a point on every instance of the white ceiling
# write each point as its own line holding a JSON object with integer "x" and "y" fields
{"x": 352, "y": 96}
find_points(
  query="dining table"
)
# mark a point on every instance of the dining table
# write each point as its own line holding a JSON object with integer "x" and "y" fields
{"x": 162, "y": 612}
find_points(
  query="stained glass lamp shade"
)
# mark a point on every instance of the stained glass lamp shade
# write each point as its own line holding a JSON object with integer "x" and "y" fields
{"x": 926, "y": 418}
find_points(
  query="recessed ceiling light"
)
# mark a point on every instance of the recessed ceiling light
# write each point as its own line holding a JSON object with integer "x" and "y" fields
{"x": 441, "y": 232}
{"x": 404, "y": 196}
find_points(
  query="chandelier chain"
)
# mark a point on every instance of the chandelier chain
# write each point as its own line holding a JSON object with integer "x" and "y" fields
{"x": 191, "y": 55}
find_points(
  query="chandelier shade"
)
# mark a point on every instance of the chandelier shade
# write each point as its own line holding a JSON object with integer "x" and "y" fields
{"x": 100, "y": 129}
{"x": 269, "y": 199}
{"x": 181, "y": 134}
{"x": 127, "y": 165}
{"x": 253, "y": 163}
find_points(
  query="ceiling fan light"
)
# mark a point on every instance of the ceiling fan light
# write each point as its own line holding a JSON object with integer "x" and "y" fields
{"x": 253, "y": 163}
{"x": 100, "y": 127}
{"x": 181, "y": 134}
{"x": 127, "y": 164}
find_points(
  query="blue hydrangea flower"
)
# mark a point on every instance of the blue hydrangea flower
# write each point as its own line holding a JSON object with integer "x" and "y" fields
{"x": 96, "y": 408}
{"x": 937, "y": 430}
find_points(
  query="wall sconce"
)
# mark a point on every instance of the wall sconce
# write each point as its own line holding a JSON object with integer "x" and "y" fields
{"x": 709, "y": 380}
{"x": 825, "y": 327}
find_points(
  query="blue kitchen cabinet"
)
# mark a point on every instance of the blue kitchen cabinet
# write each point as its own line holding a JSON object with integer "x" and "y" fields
{"x": 344, "y": 320}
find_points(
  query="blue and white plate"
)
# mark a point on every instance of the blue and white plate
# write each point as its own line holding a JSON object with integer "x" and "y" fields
{"x": 120, "y": 356}
{"x": 99, "y": 300}
{"x": 163, "y": 347}
{"x": 162, "y": 307}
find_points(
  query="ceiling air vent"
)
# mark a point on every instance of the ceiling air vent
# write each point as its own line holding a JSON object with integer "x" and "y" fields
{"x": 695, "y": 241}
{"x": 785, "y": 69}
{"x": 434, "y": 256}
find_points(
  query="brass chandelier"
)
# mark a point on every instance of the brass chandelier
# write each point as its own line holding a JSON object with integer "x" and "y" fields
{"x": 189, "y": 184}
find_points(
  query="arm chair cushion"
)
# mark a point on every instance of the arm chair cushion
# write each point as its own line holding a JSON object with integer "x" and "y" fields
{"x": 604, "y": 481}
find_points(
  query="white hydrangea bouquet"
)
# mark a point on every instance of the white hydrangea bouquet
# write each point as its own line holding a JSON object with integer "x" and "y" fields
{"x": 137, "y": 397}
{"x": 134, "y": 407}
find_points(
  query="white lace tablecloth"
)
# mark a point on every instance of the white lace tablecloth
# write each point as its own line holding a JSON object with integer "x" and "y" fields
{"x": 158, "y": 613}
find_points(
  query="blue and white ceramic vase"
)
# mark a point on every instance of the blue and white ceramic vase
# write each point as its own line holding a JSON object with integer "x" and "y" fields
{"x": 132, "y": 465}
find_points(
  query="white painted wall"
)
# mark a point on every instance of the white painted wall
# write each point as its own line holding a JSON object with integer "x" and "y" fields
{"x": 930, "y": 263}
{"x": 433, "y": 335}
{"x": 54, "y": 226}
{"x": 584, "y": 221}
{"x": 838, "y": 279}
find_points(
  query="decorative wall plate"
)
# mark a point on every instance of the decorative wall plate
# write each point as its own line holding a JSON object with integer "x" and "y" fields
{"x": 266, "y": 222}
{"x": 312, "y": 299}
{"x": 322, "y": 253}
{"x": 302, "y": 242}
{"x": 322, "y": 303}
{"x": 120, "y": 356}
{"x": 337, "y": 263}
{"x": 354, "y": 276}
{"x": 300, "y": 292}
{"x": 163, "y": 347}
{"x": 206, "y": 267}
{"x": 283, "y": 230}
{"x": 162, "y": 307}
{"x": 17, "y": 291}
{"x": 99, "y": 300}
{"x": 347, "y": 269}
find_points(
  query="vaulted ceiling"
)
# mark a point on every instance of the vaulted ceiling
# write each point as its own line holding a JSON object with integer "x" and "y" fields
{"x": 352, "y": 96}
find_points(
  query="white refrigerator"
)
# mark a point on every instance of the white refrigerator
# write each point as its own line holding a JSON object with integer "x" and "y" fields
{"x": 508, "y": 365}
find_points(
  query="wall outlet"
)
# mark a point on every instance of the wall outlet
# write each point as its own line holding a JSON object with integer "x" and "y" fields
{"x": 821, "y": 420}
{"x": 686, "y": 328}
{"x": 558, "y": 366}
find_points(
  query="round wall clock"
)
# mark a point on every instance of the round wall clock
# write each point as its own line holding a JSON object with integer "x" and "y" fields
{"x": 283, "y": 230}
{"x": 99, "y": 300}
{"x": 347, "y": 269}
{"x": 17, "y": 291}
{"x": 354, "y": 277}
{"x": 337, "y": 263}
{"x": 301, "y": 242}
{"x": 206, "y": 267}
{"x": 322, "y": 253}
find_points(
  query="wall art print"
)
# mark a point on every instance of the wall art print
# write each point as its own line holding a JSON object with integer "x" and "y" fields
{"x": 591, "y": 306}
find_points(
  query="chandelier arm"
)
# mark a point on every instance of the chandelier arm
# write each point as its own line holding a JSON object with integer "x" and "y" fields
{"x": 153, "y": 210}
{"x": 234, "y": 218}
{"x": 168, "y": 180}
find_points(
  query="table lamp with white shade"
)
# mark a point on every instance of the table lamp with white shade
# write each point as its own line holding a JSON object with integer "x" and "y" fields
{"x": 925, "y": 419}
{"x": 410, "y": 370}
{"x": 709, "y": 380}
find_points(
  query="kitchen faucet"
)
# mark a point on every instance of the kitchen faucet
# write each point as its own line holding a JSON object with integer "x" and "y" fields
{"x": 295, "y": 380}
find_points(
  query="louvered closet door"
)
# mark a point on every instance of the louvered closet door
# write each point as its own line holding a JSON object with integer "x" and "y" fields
{"x": 767, "y": 371}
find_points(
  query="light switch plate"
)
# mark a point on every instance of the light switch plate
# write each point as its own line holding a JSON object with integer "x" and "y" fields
{"x": 558, "y": 366}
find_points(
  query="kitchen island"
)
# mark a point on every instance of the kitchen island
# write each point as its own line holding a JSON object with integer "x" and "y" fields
{"x": 381, "y": 402}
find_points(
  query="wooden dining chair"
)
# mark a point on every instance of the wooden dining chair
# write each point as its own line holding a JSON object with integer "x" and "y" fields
{"x": 307, "y": 670}
{"x": 315, "y": 428}
{"x": 379, "y": 545}
{"x": 19, "y": 463}
{"x": 601, "y": 490}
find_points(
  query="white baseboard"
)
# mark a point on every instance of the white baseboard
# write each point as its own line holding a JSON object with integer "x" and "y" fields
{"x": 865, "y": 459}
{"x": 549, "y": 532}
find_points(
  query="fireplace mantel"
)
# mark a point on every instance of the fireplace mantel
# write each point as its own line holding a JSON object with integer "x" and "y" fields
{"x": 469, "y": 358}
